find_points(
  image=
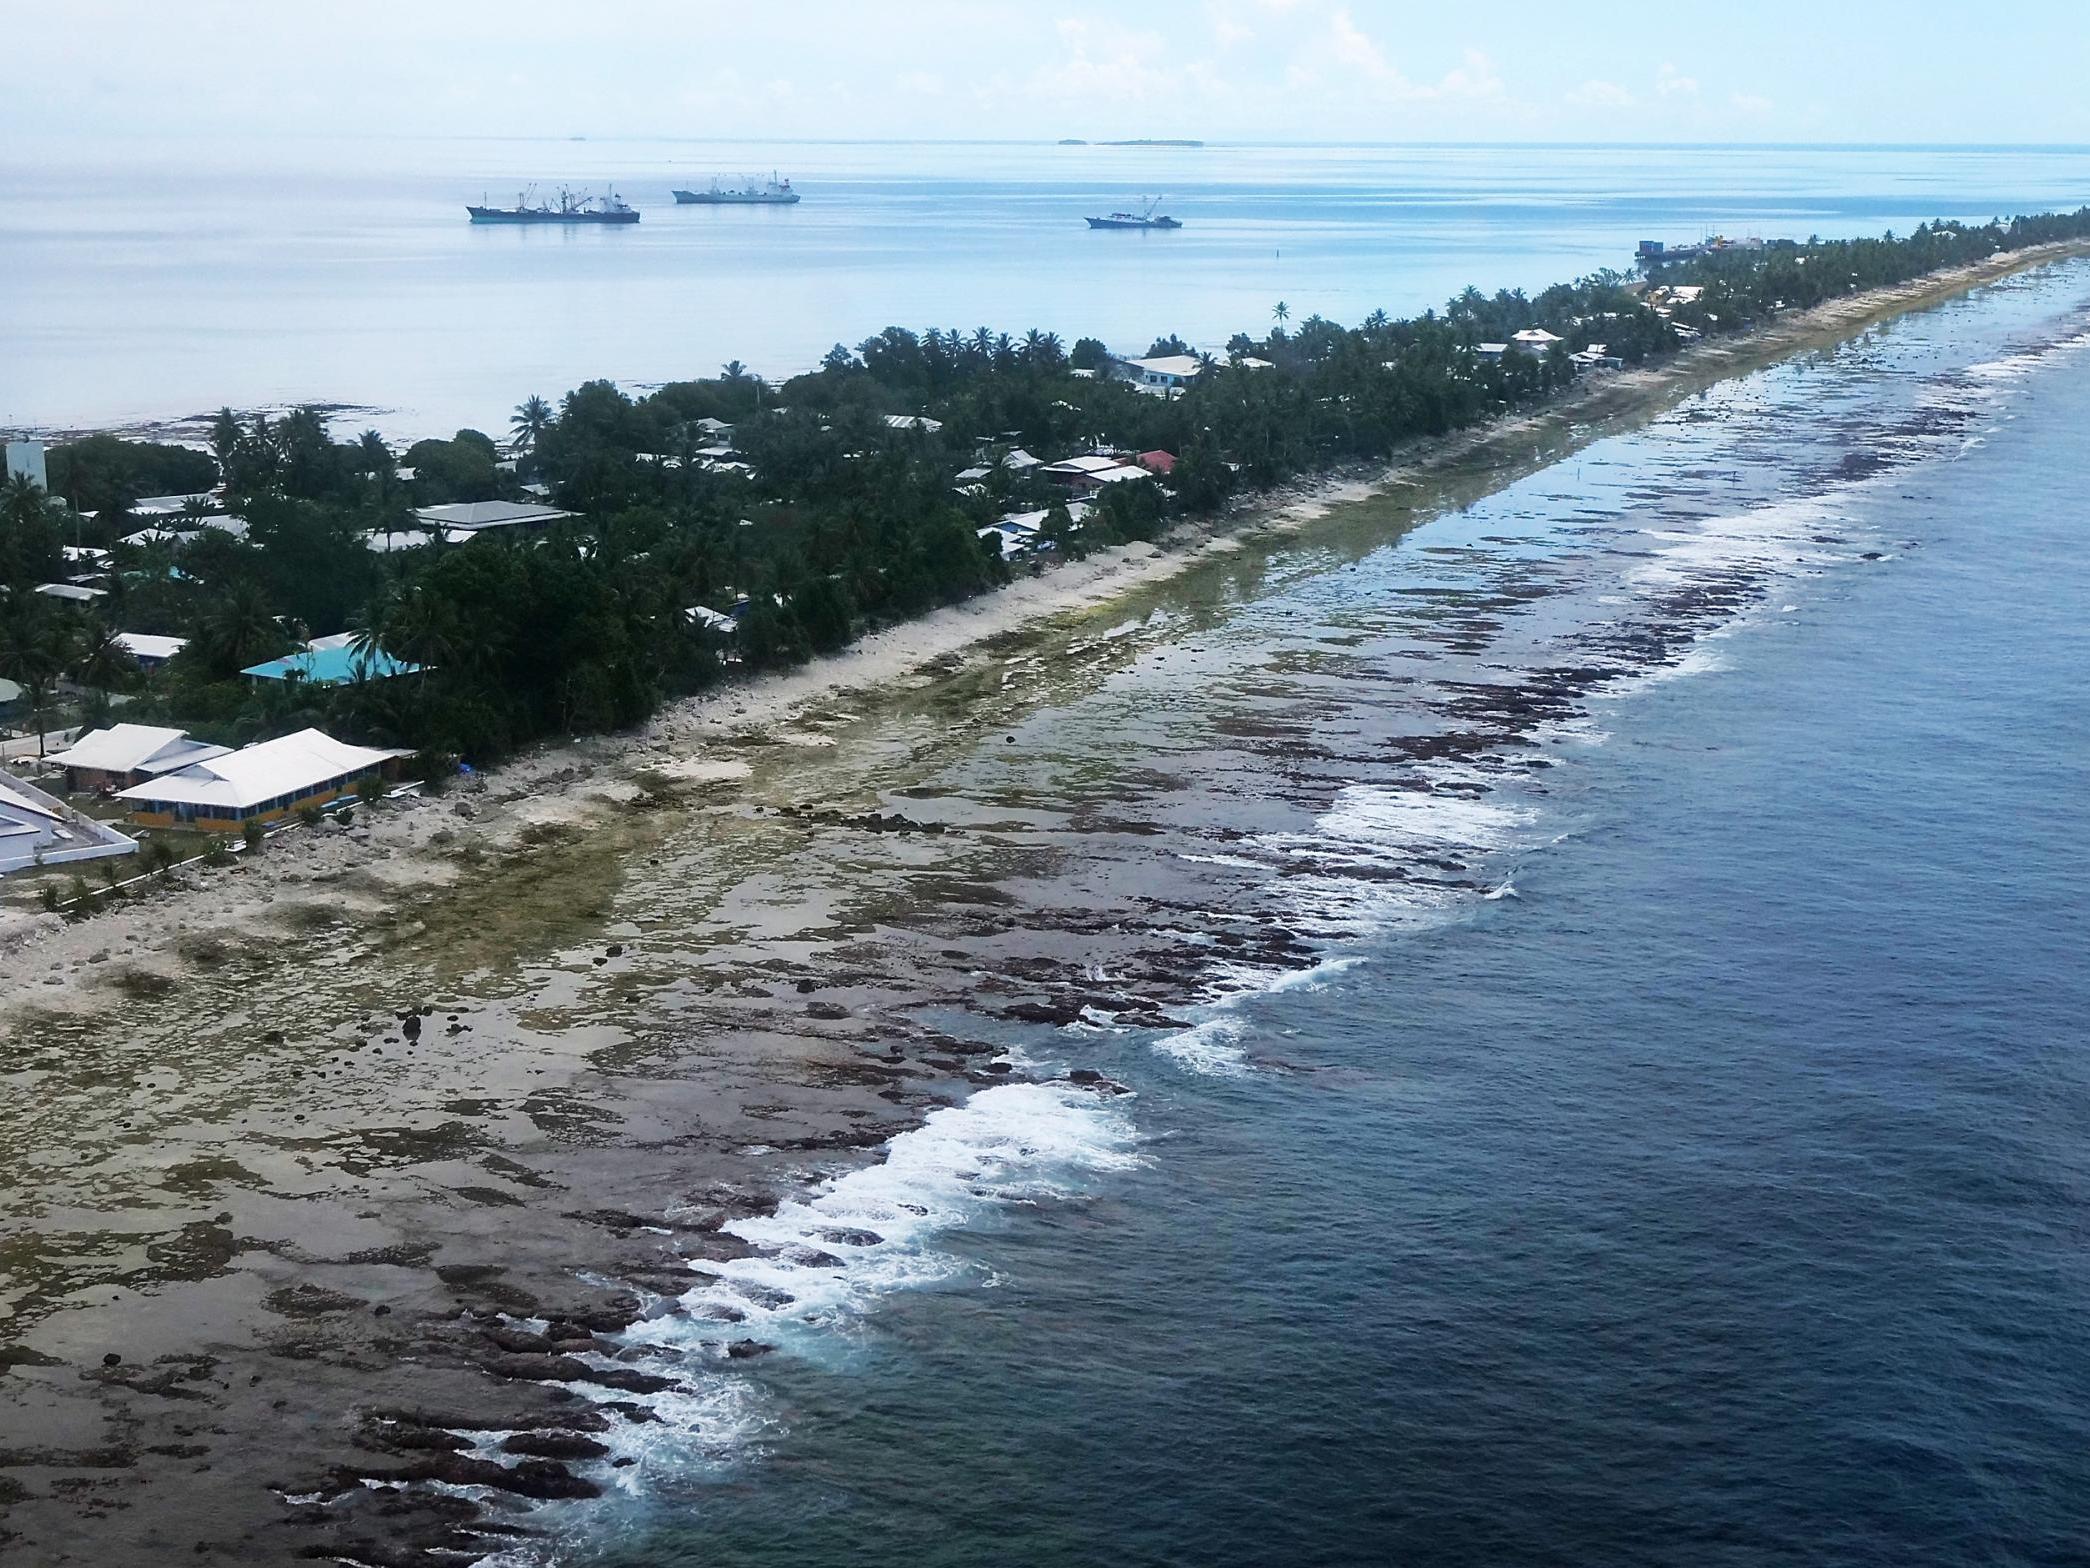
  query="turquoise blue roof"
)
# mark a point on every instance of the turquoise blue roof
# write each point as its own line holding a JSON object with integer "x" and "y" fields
{"x": 330, "y": 666}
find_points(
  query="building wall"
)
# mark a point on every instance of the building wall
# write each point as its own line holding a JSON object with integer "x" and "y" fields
{"x": 152, "y": 815}
{"x": 26, "y": 458}
{"x": 83, "y": 781}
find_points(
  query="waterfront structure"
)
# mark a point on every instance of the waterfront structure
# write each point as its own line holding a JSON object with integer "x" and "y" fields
{"x": 125, "y": 754}
{"x": 263, "y": 783}
{"x": 1535, "y": 341}
{"x": 38, "y": 830}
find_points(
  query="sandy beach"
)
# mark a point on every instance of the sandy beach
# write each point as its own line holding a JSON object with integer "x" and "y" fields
{"x": 335, "y": 1176}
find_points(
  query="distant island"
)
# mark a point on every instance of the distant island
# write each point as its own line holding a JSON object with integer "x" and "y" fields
{"x": 1142, "y": 141}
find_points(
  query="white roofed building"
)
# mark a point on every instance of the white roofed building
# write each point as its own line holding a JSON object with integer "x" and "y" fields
{"x": 39, "y": 830}
{"x": 149, "y": 649}
{"x": 126, "y": 754}
{"x": 462, "y": 520}
{"x": 262, "y": 783}
{"x": 1164, "y": 373}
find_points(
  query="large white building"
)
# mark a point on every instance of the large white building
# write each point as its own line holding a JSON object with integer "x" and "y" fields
{"x": 25, "y": 460}
{"x": 39, "y": 830}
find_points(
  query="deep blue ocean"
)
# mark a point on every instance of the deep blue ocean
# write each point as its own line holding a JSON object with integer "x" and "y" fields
{"x": 1715, "y": 1192}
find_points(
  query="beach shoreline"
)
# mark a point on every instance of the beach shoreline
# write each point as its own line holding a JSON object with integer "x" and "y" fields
{"x": 435, "y": 873}
{"x": 33, "y": 948}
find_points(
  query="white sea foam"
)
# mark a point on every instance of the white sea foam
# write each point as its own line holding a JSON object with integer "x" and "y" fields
{"x": 1215, "y": 1045}
{"x": 1211, "y": 1048}
{"x": 868, "y": 1232}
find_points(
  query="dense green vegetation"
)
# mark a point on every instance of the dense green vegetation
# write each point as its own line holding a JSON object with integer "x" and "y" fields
{"x": 828, "y": 504}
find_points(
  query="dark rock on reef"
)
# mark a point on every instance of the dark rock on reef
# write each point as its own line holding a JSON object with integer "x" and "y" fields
{"x": 826, "y": 1010}
{"x": 748, "y": 1349}
{"x": 538, "y": 1368}
{"x": 519, "y": 1341}
{"x": 309, "y": 1301}
{"x": 842, "y": 1237}
{"x": 629, "y": 1381}
{"x": 541, "y": 1479}
{"x": 556, "y": 1445}
{"x": 1056, "y": 1013}
{"x": 609, "y": 1219}
{"x": 617, "y": 1312}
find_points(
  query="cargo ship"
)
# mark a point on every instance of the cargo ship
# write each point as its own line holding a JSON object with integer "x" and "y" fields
{"x": 771, "y": 192}
{"x": 570, "y": 209}
{"x": 1149, "y": 219}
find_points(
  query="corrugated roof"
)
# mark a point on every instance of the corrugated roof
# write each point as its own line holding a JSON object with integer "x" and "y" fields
{"x": 121, "y": 748}
{"x": 291, "y": 765}
{"x": 488, "y": 514}
{"x": 149, "y": 645}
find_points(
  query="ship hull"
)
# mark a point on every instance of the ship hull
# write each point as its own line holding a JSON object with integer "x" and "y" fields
{"x": 1134, "y": 223}
{"x": 506, "y": 215}
{"x": 729, "y": 199}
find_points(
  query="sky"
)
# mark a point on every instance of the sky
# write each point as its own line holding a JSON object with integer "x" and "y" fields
{"x": 1219, "y": 70}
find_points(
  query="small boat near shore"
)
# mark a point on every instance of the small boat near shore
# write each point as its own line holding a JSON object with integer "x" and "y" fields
{"x": 570, "y": 208}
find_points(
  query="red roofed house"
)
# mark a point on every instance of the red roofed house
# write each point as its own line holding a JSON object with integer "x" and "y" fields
{"x": 1163, "y": 463}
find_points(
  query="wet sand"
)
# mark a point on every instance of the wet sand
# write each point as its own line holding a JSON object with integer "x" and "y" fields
{"x": 381, "y": 1140}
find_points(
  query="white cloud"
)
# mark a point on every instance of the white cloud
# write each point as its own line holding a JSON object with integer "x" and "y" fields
{"x": 1672, "y": 83}
{"x": 1601, "y": 95}
{"x": 1751, "y": 103}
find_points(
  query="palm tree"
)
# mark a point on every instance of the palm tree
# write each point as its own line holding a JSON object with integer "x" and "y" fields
{"x": 1282, "y": 313}
{"x": 376, "y": 457}
{"x": 533, "y": 416}
{"x": 104, "y": 663}
{"x": 239, "y": 630}
{"x": 734, "y": 371}
{"x": 22, "y": 501}
{"x": 35, "y": 647}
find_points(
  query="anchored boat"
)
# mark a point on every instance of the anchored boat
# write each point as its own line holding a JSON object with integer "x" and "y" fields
{"x": 570, "y": 208}
{"x": 771, "y": 192}
{"x": 1148, "y": 218}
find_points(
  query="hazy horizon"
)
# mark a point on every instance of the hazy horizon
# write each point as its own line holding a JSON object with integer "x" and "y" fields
{"x": 1218, "y": 70}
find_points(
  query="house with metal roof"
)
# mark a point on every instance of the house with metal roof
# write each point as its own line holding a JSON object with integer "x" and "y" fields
{"x": 1164, "y": 373}
{"x": 40, "y": 830}
{"x": 462, "y": 520}
{"x": 262, "y": 783}
{"x": 331, "y": 661}
{"x": 125, "y": 754}
{"x": 149, "y": 649}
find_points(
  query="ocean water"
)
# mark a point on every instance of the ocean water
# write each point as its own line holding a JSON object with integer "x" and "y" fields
{"x": 1665, "y": 1141}
{"x": 157, "y": 282}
